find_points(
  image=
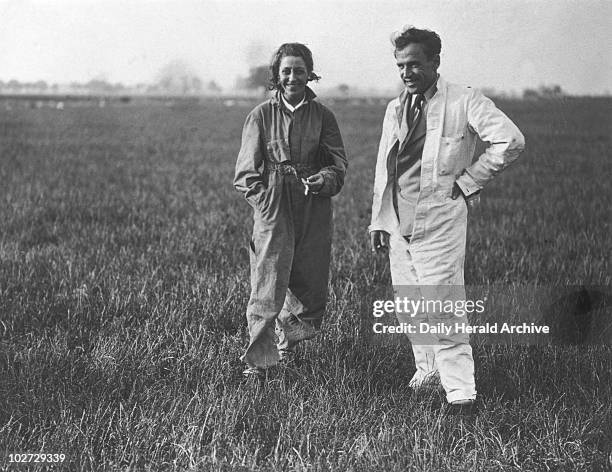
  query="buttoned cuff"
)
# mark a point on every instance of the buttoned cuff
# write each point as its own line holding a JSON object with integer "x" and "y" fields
{"x": 376, "y": 227}
{"x": 329, "y": 187}
{"x": 467, "y": 184}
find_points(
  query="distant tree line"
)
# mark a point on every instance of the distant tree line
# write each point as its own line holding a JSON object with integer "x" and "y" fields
{"x": 178, "y": 78}
{"x": 259, "y": 79}
{"x": 175, "y": 78}
{"x": 544, "y": 92}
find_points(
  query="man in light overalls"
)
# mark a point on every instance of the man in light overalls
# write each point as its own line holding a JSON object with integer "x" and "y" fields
{"x": 424, "y": 182}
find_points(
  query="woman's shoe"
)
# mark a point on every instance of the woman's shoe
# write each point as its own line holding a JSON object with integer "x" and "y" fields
{"x": 254, "y": 373}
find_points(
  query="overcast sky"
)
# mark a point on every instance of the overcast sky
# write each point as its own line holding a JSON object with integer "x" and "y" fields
{"x": 508, "y": 45}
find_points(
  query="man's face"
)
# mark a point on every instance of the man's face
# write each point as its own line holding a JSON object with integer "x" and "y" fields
{"x": 416, "y": 70}
{"x": 293, "y": 77}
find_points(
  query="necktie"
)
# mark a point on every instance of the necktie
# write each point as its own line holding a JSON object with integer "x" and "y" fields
{"x": 416, "y": 110}
{"x": 411, "y": 115}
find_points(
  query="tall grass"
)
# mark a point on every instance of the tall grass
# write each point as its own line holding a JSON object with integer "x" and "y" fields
{"x": 124, "y": 280}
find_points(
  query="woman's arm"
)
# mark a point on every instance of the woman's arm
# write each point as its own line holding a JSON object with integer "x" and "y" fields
{"x": 333, "y": 156}
{"x": 247, "y": 178}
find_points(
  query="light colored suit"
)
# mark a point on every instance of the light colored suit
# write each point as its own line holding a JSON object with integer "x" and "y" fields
{"x": 435, "y": 254}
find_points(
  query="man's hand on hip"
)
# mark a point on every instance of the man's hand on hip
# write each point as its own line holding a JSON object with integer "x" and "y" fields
{"x": 456, "y": 193}
{"x": 472, "y": 201}
{"x": 379, "y": 241}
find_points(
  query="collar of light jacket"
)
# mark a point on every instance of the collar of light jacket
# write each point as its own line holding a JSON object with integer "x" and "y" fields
{"x": 277, "y": 99}
{"x": 439, "y": 84}
{"x": 428, "y": 94}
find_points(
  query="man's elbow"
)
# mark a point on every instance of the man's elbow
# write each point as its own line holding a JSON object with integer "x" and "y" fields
{"x": 514, "y": 146}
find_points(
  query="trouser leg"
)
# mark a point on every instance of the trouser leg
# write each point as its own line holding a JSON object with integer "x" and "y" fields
{"x": 441, "y": 350}
{"x": 456, "y": 366}
{"x": 271, "y": 255}
{"x": 452, "y": 349}
{"x": 405, "y": 284}
{"x": 304, "y": 305}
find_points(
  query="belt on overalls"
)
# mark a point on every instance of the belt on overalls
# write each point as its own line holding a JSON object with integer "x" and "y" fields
{"x": 300, "y": 171}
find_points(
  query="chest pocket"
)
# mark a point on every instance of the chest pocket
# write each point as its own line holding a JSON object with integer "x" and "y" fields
{"x": 451, "y": 155}
{"x": 278, "y": 150}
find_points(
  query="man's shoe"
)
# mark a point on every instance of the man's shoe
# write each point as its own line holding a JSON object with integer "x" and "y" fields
{"x": 464, "y": 407}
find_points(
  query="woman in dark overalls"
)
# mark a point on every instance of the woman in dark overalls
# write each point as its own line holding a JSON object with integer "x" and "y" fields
{"x": 291, "y": 162}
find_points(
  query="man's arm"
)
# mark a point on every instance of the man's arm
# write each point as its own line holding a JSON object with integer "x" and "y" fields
{"x": 493, "y": 126}
{"x": 379, "y": 238}
{"x": 247, "y": 178}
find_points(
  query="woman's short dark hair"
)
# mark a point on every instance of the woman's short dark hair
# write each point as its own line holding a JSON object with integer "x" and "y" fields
{"x": 290, "y": 49}
{"x": 409, "y": 34}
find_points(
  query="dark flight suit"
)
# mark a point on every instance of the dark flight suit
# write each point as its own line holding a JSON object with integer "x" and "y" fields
{"x": 291, "y": 243}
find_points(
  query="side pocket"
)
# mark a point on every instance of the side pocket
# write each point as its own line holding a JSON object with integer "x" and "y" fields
{"x": 255, "y": 199}
{"x": 252, "y": 254}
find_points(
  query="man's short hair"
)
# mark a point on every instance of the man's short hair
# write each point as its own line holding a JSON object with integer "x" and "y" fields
{"x": 409, "y": 34}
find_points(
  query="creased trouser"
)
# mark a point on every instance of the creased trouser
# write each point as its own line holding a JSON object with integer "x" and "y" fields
{"x": 290, "y": 256}
{"x": 435, "y": 275}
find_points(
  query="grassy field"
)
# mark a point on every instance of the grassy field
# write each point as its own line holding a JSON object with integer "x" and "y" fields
{"x": 124, "y": 280}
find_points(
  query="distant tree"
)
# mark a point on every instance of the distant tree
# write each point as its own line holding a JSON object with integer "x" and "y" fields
{"x": 153, "y": 89}
{"x": 258, "y": 77}
{"x": 241, "y": 83}
{"x": 98, "y": 86}
{"x": 14, "y": 85}
{"x": 544, "y": 91}
{"x": 195, "y": 85}
{"x": 177, "y": 77}
{"x": 212, "y": 87}
{"x": 119, "y": 87}
{"x": 41, "y": 86}
{"x": 344, "y": 89}
{"x": 552, "y": 91}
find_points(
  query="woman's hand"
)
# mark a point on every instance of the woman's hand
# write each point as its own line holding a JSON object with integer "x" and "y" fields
{"x": 314, "y": 183}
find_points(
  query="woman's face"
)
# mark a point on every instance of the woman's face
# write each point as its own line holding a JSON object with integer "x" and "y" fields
{"x": 293, "y": 77}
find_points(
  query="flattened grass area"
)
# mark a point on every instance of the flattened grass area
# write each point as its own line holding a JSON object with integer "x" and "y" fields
{"x": 124, "y": 280}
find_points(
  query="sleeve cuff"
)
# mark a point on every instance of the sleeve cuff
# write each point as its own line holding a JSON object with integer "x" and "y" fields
{"x": 467, "y": 184}
{"x": 376, "y": 227}
{"x": 329, "y": 183}
{"x": 255, "y": 195}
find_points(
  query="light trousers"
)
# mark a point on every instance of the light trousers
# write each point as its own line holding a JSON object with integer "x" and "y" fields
{"x": 448, "y": 355}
